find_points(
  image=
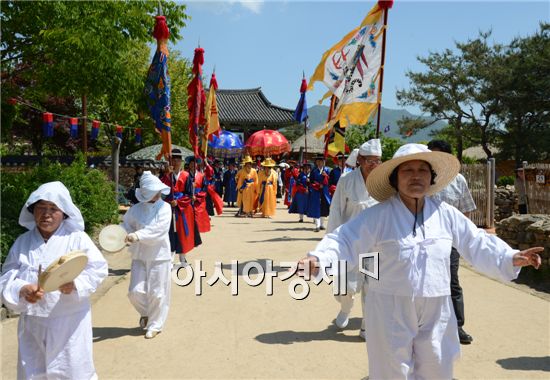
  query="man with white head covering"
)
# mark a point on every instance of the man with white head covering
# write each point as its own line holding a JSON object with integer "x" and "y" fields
{"x": 351, "y": 162}
{"x": 350, "y": 198}
{"x": 148, "y": 223}
{"x": 411, "y": 326}
{"x": 55, "y": 328}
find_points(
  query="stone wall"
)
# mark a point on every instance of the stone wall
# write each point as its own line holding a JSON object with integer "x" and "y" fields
{"x": 506, "y": 201}
{"x": 525, "y": 231}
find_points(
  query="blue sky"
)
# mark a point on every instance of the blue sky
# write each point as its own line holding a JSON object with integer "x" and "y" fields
{"x": 269, "y": 44}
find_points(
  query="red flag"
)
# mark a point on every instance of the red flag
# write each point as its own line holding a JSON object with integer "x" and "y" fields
{"x": 196, "y": 101}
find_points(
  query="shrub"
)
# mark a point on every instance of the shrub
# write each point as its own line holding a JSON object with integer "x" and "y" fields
{"x": 506, "y": 180}
{"x": 90, "y": 190}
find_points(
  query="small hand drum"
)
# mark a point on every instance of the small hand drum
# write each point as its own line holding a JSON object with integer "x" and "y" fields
{"x": 112, "y": 238}
{"x": 62, "y": 271}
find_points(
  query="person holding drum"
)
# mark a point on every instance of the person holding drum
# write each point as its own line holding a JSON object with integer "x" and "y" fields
{"x": 55, "y": 328}
{"x": 147, "y": 224}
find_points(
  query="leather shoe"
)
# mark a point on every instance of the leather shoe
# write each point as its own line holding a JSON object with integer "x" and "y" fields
{"x": 464, "y": 337}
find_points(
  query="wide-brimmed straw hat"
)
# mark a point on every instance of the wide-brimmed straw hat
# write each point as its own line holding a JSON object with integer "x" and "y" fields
{"x": 247, "y": 160}
{"x": 149, "y": 186}
{"x": 268, "y": 162}
{"x": 445, "y": 165}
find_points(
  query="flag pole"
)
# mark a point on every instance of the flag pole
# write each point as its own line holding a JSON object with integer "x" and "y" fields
{"x": 386, "y": 5}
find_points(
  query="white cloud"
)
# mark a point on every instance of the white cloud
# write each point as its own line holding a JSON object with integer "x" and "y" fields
{"x": 254, "y": 6}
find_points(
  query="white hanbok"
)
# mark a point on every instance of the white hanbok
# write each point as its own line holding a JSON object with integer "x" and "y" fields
{"x": 350, "y": 198}
{"x": 149, "y": 290}
{"x": 411, "y": 327}
{"x": 55, "y": 333}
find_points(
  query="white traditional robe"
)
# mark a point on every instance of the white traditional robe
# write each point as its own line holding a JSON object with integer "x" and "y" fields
{"x": 149, "y": 290}
{"x": 350, "y": 198}
{"x": 411, "y": 327}
{"x": 55, "y": 334}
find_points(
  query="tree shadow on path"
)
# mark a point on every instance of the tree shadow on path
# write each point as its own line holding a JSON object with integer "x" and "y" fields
{"x": 526, "y": 363}
{"x": 330, "y": 333}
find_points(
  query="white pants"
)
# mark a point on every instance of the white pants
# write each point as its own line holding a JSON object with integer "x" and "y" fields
{"x": 149, "y": 291}
{"x": 319, "y": 222}
{"x": 411, "y": 338}
{"x": 355, "y": 284}
{"x": 56, "y": 348}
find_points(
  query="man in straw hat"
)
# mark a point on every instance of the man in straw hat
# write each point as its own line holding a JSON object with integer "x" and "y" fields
{"x": 184, "y": 233}
{"x": 318, "y": 203}
{"x": 55, "y": 328}
{"x": 350, "y": 198}
{"x": 411, "y": 326}
{"x": 247, "y": 186}
{"x": 147, "y": 224}
{"x": 458, "y": 195}
{"x": 267, "y": 198}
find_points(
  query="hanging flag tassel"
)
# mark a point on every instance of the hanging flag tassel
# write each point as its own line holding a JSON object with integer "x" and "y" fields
{"x": 74, "y": 127}
{"x": 119, "y": 131}
{"x": 47, "y": 124}
{"x": 95, "y": 129}
{"x": 138, "y": 135}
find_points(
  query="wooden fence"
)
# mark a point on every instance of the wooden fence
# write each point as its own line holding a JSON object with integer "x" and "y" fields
{"x": 537, "y": 183}
{"x": 481, "y": 180}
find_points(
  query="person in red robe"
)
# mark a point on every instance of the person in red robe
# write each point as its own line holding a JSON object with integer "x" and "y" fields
{"x": 199, "y": 190}
{"x": 184, "y": 233}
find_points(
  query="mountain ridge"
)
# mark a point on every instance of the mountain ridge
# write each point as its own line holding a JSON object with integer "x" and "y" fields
{"x": 318, "y": 114}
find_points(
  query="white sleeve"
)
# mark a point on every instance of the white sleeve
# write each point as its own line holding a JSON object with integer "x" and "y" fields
{"x": 485, "y": 252}
{"x": 157, "y": 231}
{"x": 337, "y": 207}
{"x": 345, "y": 243}
{"x": 96, "y": 270}
{"x": 10, "y": 284}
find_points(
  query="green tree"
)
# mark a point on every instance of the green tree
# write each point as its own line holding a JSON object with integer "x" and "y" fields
{"x": 356, "y": 135}
{"x": 93, "y": 52}
{"x": 524, "y": 91}
{"x": 457, "y": 88}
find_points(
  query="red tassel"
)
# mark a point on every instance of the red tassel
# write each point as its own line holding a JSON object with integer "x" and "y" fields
{"x": 214, "y": 82}
{"x": 161, "y": 31}
{"x": 303, "y": 87}
{"x": 385, "y": 4}
{"x": 74, "y": 120}
{"x": 119, "y": 129}
{"x": 96, "y": 124}
{"x": 198, "y": 59}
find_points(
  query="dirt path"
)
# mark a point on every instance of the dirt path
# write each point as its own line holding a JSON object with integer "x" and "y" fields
{"x": 252, "y": 335}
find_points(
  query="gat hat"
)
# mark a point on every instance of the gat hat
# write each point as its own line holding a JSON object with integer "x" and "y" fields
{"x": 149, "y": 186}
{"x": 371, "y": 148}
{"x": 319, "y": 157}
{"x": 352, "y": 159}
{"x": 284, "y": 165}
{"x": 445, "y": 165}
{"x": 177, "y": 153}
{"x": 305, "y": 163}
{"x": 247, "y": 160}
{"x": 268, "y": 162}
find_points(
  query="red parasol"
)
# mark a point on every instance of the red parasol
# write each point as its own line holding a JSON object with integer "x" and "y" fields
{"x": 267, "y": 143}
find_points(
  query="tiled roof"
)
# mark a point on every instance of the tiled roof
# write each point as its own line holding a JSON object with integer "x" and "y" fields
{"x": 251, "y": 107}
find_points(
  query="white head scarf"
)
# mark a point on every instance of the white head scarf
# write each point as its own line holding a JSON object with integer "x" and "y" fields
{"x": 352, "y": 159}
{"x": 57, "y": 193}
{"x": 149, "y": 186}
{"x": 371, "y": 148}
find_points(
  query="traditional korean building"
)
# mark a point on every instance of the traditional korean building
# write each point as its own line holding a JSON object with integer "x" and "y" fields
{"x": 247, "y": 111}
